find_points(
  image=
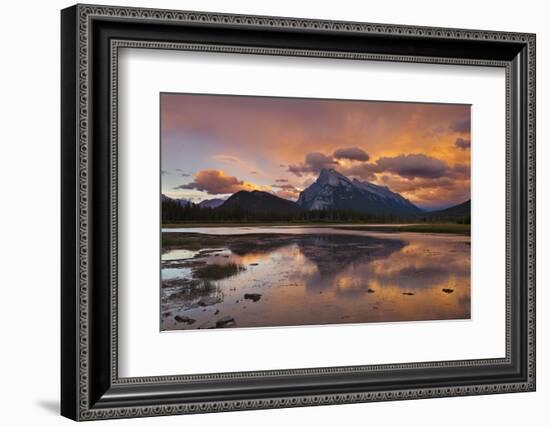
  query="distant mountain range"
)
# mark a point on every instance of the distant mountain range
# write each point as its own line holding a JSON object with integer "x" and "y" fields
{"x": 213, "y": 203}
{"x": 331, "y": 191}
{"x": 181, "y": 201}
{"x": 210, "y": 204}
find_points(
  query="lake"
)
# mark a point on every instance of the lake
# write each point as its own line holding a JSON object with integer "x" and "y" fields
{"x": 257, "y": 276}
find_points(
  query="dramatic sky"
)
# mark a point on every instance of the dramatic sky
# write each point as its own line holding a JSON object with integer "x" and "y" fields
{"x": 213, "y": 146}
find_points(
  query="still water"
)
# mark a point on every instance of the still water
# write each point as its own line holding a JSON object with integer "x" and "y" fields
{"x": 283, "y": 276}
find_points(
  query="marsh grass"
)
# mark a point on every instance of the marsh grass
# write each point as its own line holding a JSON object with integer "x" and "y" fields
{"x": 218, "y": 272}
{"x": 192, "y": 289}
{"x": 435, "y": 228}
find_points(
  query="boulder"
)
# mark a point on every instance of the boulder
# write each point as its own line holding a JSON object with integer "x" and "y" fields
{"x": 253, "y": 296}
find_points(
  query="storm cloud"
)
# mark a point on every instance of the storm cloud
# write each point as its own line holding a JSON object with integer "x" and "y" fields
{"x": 412, "y": 166}
{"x": 462, "y": 143}
{"x": 313, "y": 163}
{"x": 364, "y": 171}
{"x": 354, "y": 153}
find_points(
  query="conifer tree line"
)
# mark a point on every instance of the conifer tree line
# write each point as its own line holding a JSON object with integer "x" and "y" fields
{"x": 174, "y": 212}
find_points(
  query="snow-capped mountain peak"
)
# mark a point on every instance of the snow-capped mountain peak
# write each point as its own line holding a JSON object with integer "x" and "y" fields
{"x": 332, "y": 177}
{"x": 212, "y": 203}
{"x": 333, "y": 190}
{"x": 320, "y": 194}
{"x": 181, "y": 201}
{"x": 378, "y": 190}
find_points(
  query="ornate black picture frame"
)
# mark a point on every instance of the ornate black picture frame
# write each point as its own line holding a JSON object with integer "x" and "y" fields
{"x": 91, "y": 36}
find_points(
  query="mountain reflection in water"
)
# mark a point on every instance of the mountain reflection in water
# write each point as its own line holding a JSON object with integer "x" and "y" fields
{"x": 254, "y": 277}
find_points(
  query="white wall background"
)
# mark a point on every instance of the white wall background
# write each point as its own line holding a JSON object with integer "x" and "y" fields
{"x": 29, "y": 213}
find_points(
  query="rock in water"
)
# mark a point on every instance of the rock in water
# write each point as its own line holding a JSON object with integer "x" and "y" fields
{"x": 408, "y": 294}
{"x": 209, "y": 300}
{"x": 183, "y": 318}
{"x": 448, "y": 290}
{"x": 253, "y": 296}
{"x": 225, "y": 321}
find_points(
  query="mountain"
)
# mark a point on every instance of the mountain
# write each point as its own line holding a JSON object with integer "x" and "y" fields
{"x": 460, "y": 210}
{"x": 334, "y": 191}
{"x": 259, "y": 201}
{"x": 182, "y": 201}
{"x": 212, "y": 204}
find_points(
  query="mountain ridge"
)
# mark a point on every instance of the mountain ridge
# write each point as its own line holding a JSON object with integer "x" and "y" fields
{"x": 458, "y": 210}
{"x": 333, "y": 190}
{"x": 259, "y": 202}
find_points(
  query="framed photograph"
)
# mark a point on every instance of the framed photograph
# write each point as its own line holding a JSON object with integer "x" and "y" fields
{"x": 263, "y": 212}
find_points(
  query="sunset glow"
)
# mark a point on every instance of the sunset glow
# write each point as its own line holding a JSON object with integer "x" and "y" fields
{"x": 213, "y": 146}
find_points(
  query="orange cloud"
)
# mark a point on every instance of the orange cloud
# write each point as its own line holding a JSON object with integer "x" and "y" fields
{"x": 217, "y": 182}
{"x": 429, "y": 192}
{"x": 286, "y": 190}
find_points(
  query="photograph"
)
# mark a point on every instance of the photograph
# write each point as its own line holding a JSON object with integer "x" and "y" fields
{"x": 298, "y": 211}
{"x": 264, "y": 209}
